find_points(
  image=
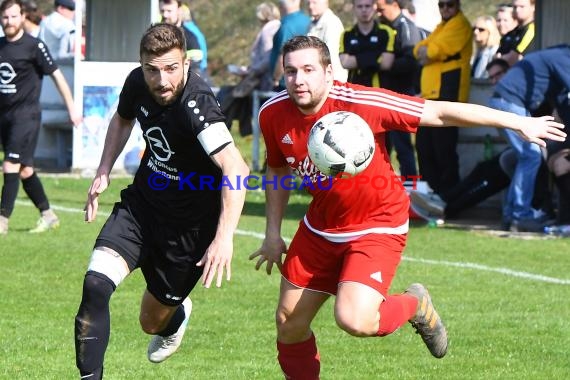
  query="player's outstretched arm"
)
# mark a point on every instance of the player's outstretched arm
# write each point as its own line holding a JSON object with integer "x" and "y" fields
{"x": 533, "y": 129}
{"x": 273, "y": 246}
{"x": 218, "y": 256}
{"x": 118, "y": 133}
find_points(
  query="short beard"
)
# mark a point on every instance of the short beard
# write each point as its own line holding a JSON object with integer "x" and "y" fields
{"x": 175, "y": 95}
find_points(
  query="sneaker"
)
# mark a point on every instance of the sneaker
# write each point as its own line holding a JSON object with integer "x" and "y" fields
{"x": 45, "y": 224}
{"x": 161, "y": 348}
{"x": 427, "y": 322}
{"x": 431, "y": 202}
{"x": 3, "y": 225}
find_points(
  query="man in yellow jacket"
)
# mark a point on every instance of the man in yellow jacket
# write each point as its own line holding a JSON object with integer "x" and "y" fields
{"x": 444, "y": 55}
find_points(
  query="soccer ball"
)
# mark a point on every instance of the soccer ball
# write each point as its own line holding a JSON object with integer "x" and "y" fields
{"x": 341, "y": 142}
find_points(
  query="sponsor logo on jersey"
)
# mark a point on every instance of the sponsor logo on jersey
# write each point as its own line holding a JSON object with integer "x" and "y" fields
{"x": 144, "y": 111}
{"x": 158, "y": 144}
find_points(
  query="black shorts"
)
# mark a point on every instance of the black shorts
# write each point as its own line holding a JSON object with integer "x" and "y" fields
{"x": 19, "y": 139}
{"x": 166, "y": 253}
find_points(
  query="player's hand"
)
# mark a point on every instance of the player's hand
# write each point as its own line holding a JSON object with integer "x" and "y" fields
{"x": 218, "y": 257}
{"x": 538, "y": 129}
{"x": 76, "y": 119}
{"x": 271, "y": 251}
{"x": 99, "y": 184}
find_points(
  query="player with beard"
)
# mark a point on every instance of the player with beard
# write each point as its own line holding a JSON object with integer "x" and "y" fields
{"x": 176, "y": 220}
{"x": 350, "y": 243}
{"x": 24, "y": 60}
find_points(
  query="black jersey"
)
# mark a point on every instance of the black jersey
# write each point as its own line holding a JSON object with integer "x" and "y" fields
{"x": 520, "y": 39}
{"x": 23, "y": 63}
{"x": 176, "y": 177}
{"x": 367, "y": 49}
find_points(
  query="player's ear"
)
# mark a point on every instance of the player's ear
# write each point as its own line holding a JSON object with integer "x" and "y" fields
{"x": 329, "y": 73}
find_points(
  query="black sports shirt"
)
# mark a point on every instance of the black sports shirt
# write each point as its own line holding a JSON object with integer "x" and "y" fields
{"x": 176, "y": 177}
{"x": 23, "y": 63}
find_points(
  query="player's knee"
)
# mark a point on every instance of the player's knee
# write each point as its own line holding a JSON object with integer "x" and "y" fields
{"x": 289, "y": 327}
{"x": 26, "y": 172}
{"x": 354, "y": 323}
{"x": 110, "y": 264}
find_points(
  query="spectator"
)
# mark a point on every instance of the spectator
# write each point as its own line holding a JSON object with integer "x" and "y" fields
{"x": 328, "y": 27}
{"x": 486, "y": 39}
{"x": 402, "y": 77}
{"x": 486, "y": 179}
{"x": 409, "y": 10}
{"x": 368, "y": 47}
{"x": 57, "y": 30}
{"x": 542, "y": 76}
{"x": 257, "y": 74}
{"x": 25, "y": 60}
{"x": 33, "y": 18}
{"x": 496, "y": 69}
{"x": 170, "y": 13}
{"x": 294, "y": 22}
{"x": 519, "y": 41}
{"x": 445, "y": 56}
{"x": 189, "y": 23}
{"x": 505, "y": 19}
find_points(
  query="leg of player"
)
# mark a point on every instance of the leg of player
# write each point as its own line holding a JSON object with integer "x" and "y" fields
{"x": 296, "y": 345}
{"x": 93, "y": 322}
{"x": 9, "y": 193}
{"x": 166, "y": 323}
{"x": 34, "y": 189}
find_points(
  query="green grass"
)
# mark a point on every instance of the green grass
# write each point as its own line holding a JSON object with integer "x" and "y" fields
{"x": 501, "y": 326}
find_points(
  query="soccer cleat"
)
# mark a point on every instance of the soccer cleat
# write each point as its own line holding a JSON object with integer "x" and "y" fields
{"x": 427, "y": 322}
{"x": 161, "y": 348}
{"x": 45, "y": 224}
{"x": 431, "y": 202}
{"x": 3, "y": 225}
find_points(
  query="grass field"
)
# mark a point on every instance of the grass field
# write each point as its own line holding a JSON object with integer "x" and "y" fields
{"x": 505, "y": 302}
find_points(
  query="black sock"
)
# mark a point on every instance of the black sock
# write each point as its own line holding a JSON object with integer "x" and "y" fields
{"x": 35, "y": 191}
{"x": 174, "y": 323}
{"x": 93, "y": 325}
{"x": 9, "y": 193}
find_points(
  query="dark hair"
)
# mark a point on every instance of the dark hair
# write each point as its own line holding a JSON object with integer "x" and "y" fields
{"x": 499, "y": 62}
{"x": 308, "y": 42}
{"x": 9, "y": 3}
{"x": 407, "y": 4}
{"x": 31, "y": 11}
{"x": 160, "y": 38}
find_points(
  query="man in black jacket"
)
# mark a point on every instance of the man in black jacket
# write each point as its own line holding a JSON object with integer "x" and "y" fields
{"x": 403, "y": 76}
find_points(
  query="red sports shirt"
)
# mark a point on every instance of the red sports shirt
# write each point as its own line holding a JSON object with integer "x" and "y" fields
{"x": 372, "y": 201}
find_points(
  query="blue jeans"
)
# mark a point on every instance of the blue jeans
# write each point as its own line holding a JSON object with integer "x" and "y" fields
{"x": 519, "y": 196}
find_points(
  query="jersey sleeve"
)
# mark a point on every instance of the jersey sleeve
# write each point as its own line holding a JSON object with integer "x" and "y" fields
{"x": 125, "y": 108}
{"x": 44, "y": 59}
{"x": 275, "y": 157}
{"x": 205, "y": 118}
{"x": 398, "y": 112}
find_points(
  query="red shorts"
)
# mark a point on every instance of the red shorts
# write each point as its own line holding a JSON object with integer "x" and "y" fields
{"x": 312, "y": 262}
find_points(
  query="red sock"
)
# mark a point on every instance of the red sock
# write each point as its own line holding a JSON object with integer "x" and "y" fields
{"x": 300, "y": 361}
{"x": 395, "y": 311}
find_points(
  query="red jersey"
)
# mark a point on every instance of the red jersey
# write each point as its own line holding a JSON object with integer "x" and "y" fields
{"x": 372, "y": 201}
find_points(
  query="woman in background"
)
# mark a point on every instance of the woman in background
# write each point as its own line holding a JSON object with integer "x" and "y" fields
{"x": 236, "y": 101}
{"x": 486, "y": 39}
